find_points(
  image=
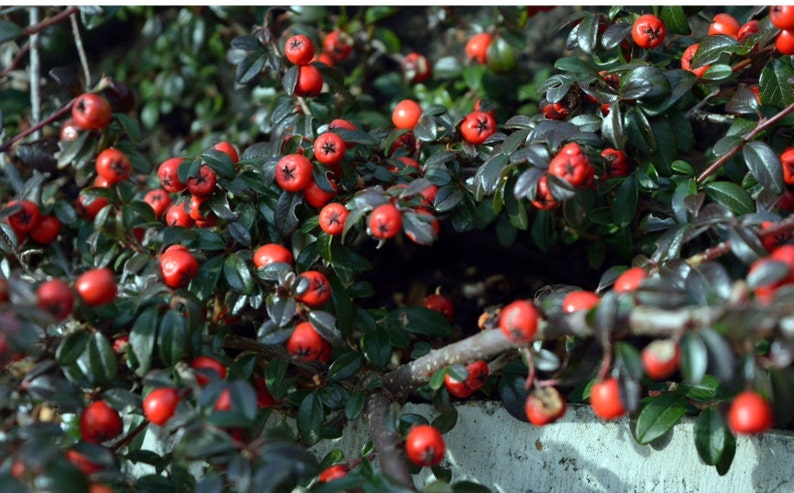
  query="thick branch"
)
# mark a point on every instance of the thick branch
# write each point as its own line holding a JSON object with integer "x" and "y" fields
{"x": 393, "y": 462}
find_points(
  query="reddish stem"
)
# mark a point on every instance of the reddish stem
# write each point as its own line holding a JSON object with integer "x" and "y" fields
{"x": 55, "y": 116}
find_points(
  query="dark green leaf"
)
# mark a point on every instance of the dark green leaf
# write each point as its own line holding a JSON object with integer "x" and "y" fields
{"x": 142, "y": 339}
{"x": 574, "y": 65}
{"x": 764, "y": 164}
{"x": 675, "y": 19}
{"x": 345, "y": 366}
{"x": 251, "y": 66}
{"x": 102, "y": 359}
{"x": 659, "y": 416}
{"x": 375, "y": 343}
{"x": 731, "y": 195}
{"x": 694, "y": 358}
{"x": 237, "y": 274}
{"x": 355, "y": 405}
{"x": 172, "y": 337}
{"x": 71, "y": 347}
{"x": 712, "y": 436}
{"x": 310, "y": 419}
{"x": 774, "y": 81}
{"x": 447, "y": 420}
{"x": 645, "y": 82}
{"x": 624, "y": 208}
{"x": 247, "y": 42}
{"x": 712, "y": 47}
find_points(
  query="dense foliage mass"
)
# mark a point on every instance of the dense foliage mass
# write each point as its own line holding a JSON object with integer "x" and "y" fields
{"x": 207, "y": 231}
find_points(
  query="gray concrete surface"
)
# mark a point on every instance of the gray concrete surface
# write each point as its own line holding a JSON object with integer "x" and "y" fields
{"x": 581, "y": 453}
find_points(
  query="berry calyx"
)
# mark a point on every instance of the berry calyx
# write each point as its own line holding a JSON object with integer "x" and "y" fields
{"x": 477, "y": 127}
{"x": 293, "y": 172}
{"x": 385, "y": 221}
{"x": 299, "y": 49}
{"x": 333, "y": 217}
{"x": 648, "y": 31}
{"x": 305, "y": 343}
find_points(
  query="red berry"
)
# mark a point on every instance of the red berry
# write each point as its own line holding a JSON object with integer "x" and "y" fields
{"x": 660, "y": 358}
{"x": 519, "y": 321}
{"x": 294, "y": 172}
{"x": 456, "y": 387}
{"x": 724, "y": 24}
{"x": 748, "y": 29}
{"x": 91, "y": 112}
{"x": 648, "y": 31}
{"x": 81, "y": 462}
{"x": 477, "y": 127}
{"x": 782, "y": 16}
{"x": 572, "y": 165}
{"x": 616, "y": 163}
{"x": 344, "y": 124}
{"x": 299, "y": 49}
{"x": 415, "y": 67}
{"x": 605, "y": 399}
{"x": 772, "y": 242}
{"x": 305, "y": 343}
{"x": 544, "y": 405}
{"x": 544, "y": 200}
{"x": 69, "y": 130}
{"x": 406, "y": 114}
{"x": 750, "y": 414}
{"x": 27, "y": 218}
{"x": 96, "y": 287}
{"x": 160, "y": 404}
{"x": 579, "y": 300}
{"x": 88, "y": 206}
{"x": 425, "y": 446}
{"x": 477, "y": 374}
{"x": 113, "y": 165}
{"x": 784, "y": 43}
{"x": 178, "y": 267}
{"x": 339, "y": 45}
{"x": 100, "y": 423}
{"x": 477, "y": 47}
{"x": 228, "y": 149}
{"x": 270, "y": 253}
{"x": 385, "y": 221}
{"x": 333, "y": 217}
{"x": 159, "y": 200}
{"x": 332, "y": 473}
{"x": 319, "y": 290}
{"x": 202, "y": 184}
{"x": 316, "y": 196}
{"x": 178, "y": 215}
{"x": 630, "y": 280}
{"x": 441, "y": 304}
{"x": 55, "y": 297}
{"x": 48, "y": 229}
{"x": 688, "y": 56}
{"x": 310, "y": 81}
{"x": 205, "y": 365}
{"x": 329, "y": 148}
{"x": 168, "y": 173}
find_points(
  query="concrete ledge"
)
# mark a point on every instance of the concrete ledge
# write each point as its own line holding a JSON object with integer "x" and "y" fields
{"x": 581, "y": 453}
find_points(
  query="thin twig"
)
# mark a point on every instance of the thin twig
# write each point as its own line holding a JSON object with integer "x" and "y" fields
{"x": 78, "y": 43}
{"x": 35, "y": 72}
{"x": 55, "y": 116}
{"x": 762, "y": 125}
{"x": 17, "y": 58}
{"x": 725, "y": 247}
{"x": 60, "y": 16}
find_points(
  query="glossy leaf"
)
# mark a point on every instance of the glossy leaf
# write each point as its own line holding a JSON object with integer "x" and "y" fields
{"x": 310, "y": 419}
{"x": 658, "y": 416}
{"x": 764, "y": 164}
{"x": 713, "y": 439}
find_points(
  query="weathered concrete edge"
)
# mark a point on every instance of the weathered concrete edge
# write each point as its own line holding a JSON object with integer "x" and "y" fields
{"x": 583, "y": 453}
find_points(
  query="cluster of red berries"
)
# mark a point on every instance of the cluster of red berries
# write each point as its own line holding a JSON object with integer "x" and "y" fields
{"x": 299, "y": 50}
{"x": 313, "y": 289}
{"x": 570, "y": 164}
{"x": 722, "y": 24}
{"x": 782, "y": 17}
{"x": 27, "y": 221}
